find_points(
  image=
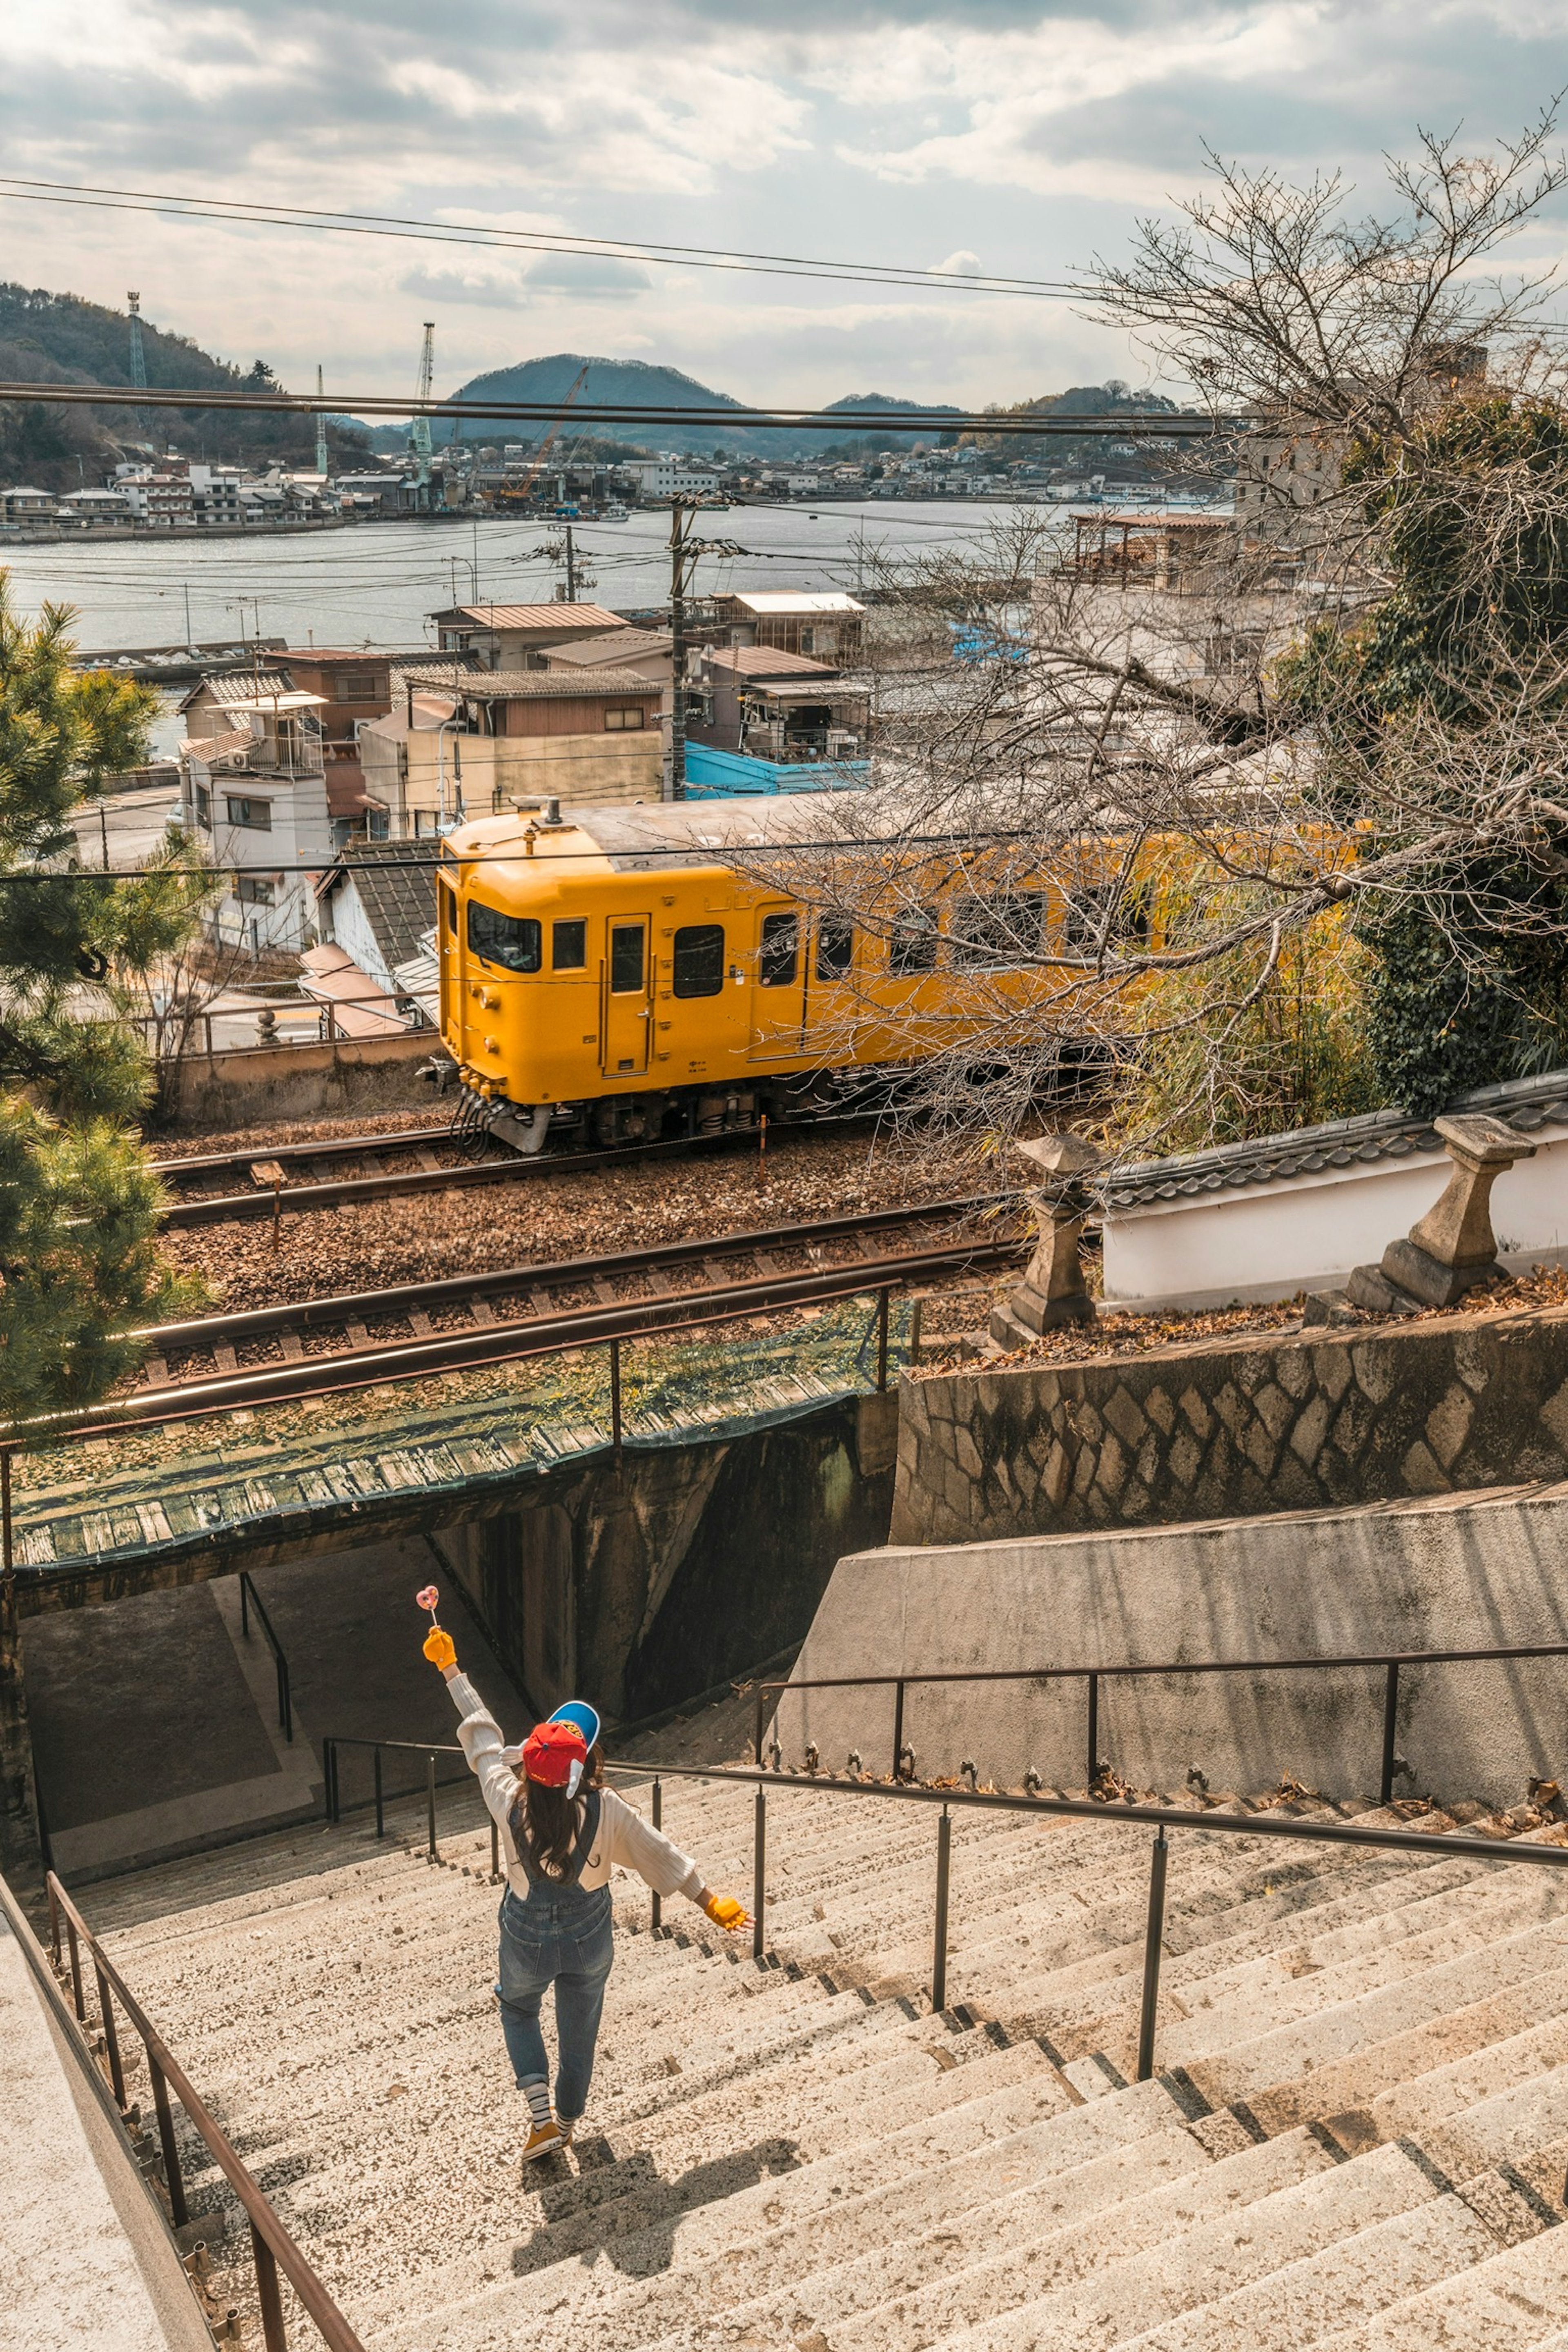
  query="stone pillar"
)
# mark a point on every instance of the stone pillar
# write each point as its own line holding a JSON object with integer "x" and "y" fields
{"x": 1452, "y": 1249}
{"x": 1052, "y": 1292}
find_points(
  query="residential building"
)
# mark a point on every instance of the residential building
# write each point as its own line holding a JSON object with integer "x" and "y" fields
{"x": 518, "y": 636}
{"x": 780, "y": 707}
{"x": 25, "y": 504}
{"x": 353, "y": 687}
{"x": 159, "y": 498}
{"x": 825, "y": 624}
{"x": 646, "y": 651}
{"x": 94, "y": 506}
{"x": 253, "y": 791}
{"x": 667, "y": 477}
{"x": 216, "y": 495}
{"x": 375, "y": 911}
{"x": 465, "y": 749}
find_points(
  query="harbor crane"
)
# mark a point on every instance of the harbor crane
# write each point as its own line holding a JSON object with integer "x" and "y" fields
{"x": 425, "y": 497}
{"x": 524, "y": 489}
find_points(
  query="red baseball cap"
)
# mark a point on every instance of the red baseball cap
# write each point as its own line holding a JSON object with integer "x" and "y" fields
{"x": 554, "y": 1754}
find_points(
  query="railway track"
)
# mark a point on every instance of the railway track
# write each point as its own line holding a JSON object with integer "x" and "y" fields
{"x": 267, "y": 1354}
{"x": 291, "y": 1178}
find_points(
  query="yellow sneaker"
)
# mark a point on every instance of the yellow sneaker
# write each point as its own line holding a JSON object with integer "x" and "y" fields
{"x": 544, "y": 2139}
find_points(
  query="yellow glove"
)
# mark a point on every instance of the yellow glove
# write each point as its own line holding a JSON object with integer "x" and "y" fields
{"x": 726, "y": 1912}
{"x": 440, "y": 1648}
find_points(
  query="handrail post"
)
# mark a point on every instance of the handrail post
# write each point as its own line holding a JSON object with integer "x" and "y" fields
{"x": 657, "y": 1920}
{"x": 759, "y": 1874}
{"x": 1093, "y": 1733}
{"x": 430, "y": 1802}
{"x": 495, "y": 1849}
{"x": 329, "y": 1775}
{"x": 77, "y": 1989}
{"x": 883, "y": 1297}
{"x": 615, "y": 1401}
{"x": 110, "y": 2038}
{"x": 54, "y": 1922}
{"x": 757, "y": 1735}
{"x": 1390, "y": 1726}
{"x": 273, "y": 2334}
{"x": 939, "y": 1955}
{"x": 285, "y": 1698}
{"x": 899, "y": 1730}
{"x": 380, "y": 1803}
{"x": 245, "y": 1603}
{"x": 178, "y": 2212}
{"x": 1151, "y": 1943}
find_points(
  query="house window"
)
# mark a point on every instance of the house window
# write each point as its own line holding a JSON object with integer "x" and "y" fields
{"x": 835, "y": 946}
{"x": 625, "y": 715}
{"x": 780, "y": 958}
{"x": 912, "y": 946}
{"x": 204, "y": 807}
{"x": 355, "y": 686}
{"x": 377, "y": 825}
{"x": 569, "y": 946}
{"x": 252, "y": 891}
{"x": 699, "y": 959}
{"x": 256, "y": 816}
{"x": 513, "y": 940}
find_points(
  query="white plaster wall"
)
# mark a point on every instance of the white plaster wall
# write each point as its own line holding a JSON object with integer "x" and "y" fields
{"x": 1269, "y": 1241}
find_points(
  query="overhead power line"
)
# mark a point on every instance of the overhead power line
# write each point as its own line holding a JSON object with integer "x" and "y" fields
{"x": 242, "y": 212}
{"x": 1037, "y": 424}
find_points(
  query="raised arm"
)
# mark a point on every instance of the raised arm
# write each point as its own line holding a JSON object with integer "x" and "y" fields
{"x": 478, "y": 1730}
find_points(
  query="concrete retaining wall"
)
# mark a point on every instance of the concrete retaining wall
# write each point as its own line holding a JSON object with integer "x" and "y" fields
{"x": 1249, "y": 1427}
{"x": 1460, "y": 1571}
{"x": 258, "y": 1083}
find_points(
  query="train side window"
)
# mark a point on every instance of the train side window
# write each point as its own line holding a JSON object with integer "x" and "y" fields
{"x": 913, "y": 945}
{"x": 835, "y": 946}
{"x": 449, "y": 898}
{"x": 569, "y": 946}
{"x": 625, "y": 957}
{"x": 699, "y": 959}
{"x": 999, "y": 933}
{"x": 515, "y": 941}
{"x": 780, "y": 958}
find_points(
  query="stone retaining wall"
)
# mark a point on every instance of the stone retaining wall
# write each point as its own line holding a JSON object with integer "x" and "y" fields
{"x": 1233, "y": 1429}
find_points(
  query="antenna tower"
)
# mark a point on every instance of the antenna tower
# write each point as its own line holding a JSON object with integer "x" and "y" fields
{"x": 419, "y": 431}
{"x": 138, "y": 356}
{"x": 321, "y": 468}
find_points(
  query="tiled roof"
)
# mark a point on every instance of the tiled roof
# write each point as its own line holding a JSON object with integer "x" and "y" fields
{"x": 535, "y": 616}
{"x": 766, "y": 661}
{"x": 541, "y": 685}
{"x": 236, "y": 685}
{"x": 618, "y": 644}
{"x": 396, "y": 885}
{"x": 788, "y": 602}
{"x": 1524, "y": 1103}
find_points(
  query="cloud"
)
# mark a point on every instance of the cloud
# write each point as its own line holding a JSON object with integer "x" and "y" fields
{"x": 962, "y": 263}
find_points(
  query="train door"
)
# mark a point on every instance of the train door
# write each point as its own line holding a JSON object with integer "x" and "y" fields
{"x": 778, "y": 983}
{"x": 627, "y": 997}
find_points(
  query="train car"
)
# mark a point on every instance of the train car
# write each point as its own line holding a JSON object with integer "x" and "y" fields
{"x": 624, "y": 973}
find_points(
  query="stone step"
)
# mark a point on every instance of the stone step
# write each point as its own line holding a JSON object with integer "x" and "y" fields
{"x": 1516, "y": 2301}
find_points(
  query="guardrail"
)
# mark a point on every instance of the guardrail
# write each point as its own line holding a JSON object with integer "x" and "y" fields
{"x": 1391, "y": 1662}
{"x": 272, "y": 2248}
{"x": 1163, "y": 1818}
{"x": 250, "y": 1599}
{"x": 332, "y": 1796}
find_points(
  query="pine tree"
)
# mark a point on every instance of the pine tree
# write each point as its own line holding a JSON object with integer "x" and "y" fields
{"x": 78, "y": 1203}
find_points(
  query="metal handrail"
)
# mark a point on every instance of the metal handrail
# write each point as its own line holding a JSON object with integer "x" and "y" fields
{"x": 1391, "y": 1661}
{"x": 272, "y": 2248}
{"x": 1164, "y": 1817}
{"x": 333, "y": 1795}
{"x": 250, "y": 1599}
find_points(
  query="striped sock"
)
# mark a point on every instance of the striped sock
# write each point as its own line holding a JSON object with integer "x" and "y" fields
{"x": 537, "y": 2094}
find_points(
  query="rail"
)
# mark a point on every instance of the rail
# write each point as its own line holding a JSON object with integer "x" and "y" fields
{"x": 1391, "y": 1661}
{"x": 250, "y": 1599}
{"x": 332, "y": 1794}
{"x": 272, "y": 2248}
{"x": 1165, "y": 1819}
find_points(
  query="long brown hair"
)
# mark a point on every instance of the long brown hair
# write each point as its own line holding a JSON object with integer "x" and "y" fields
{"x": 544, "y": 1821}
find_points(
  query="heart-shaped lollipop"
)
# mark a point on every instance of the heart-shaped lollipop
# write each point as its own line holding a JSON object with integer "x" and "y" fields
{"x": 427, "y": 1600}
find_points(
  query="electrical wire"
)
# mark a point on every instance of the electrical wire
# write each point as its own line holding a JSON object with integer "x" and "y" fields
{"x": 249, "y": 213}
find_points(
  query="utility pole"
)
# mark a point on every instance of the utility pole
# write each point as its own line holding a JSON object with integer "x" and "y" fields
{"x": 571, "y": 568}
{"x": 684, "y": 552}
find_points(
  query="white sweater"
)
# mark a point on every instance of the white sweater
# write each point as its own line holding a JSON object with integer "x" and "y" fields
{"x": 624, "y": 1836}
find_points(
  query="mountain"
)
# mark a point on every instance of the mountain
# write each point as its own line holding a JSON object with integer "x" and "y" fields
{"x": 621, "y": 382}
{"x": 60, "y": 338}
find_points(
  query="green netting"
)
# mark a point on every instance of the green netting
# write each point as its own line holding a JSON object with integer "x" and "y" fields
{"x": 293, "y": 1467}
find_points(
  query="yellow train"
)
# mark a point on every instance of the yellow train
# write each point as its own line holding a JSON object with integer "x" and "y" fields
{"x": 613, "y": 976}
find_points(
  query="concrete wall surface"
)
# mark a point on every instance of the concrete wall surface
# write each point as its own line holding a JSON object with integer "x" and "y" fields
{"x": 1250, "y": 1426}
{"x": 271, "y": 1082}
{"x": 1459, "y": 1572}
{"x": 85, "y": 2256}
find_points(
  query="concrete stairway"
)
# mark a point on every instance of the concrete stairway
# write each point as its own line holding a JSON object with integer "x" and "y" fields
{"x": 1359, "y": 2139}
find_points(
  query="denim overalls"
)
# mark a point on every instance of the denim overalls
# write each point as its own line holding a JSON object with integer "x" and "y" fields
{"x": 562, "y": 1935}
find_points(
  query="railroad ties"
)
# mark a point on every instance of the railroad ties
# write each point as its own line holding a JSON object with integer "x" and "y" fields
{"x": 302, "y": 1347}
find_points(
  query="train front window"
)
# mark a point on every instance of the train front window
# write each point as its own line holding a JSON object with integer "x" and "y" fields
{"x": 699, "y": 959}
{"x": 569, "y": 946}
{"x": 835, "y": 948}
{"x": 515, "y": 941}
{"x": 625, "y": 957}
{"x": 780, "y": 959}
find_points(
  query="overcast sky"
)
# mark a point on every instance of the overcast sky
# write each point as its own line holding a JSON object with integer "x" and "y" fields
{"x": 994, "y": 133}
